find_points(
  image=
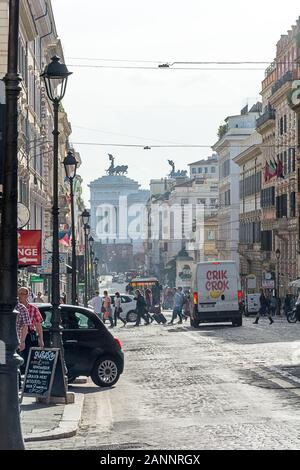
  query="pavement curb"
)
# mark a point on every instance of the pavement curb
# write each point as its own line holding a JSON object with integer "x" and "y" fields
{"x": 68, "y": 425}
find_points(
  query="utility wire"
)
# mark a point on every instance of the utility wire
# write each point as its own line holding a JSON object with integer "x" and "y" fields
{"x": 149, "y": 147}
{"x": 159, "y": 68}
{"x": 170, "y": 63}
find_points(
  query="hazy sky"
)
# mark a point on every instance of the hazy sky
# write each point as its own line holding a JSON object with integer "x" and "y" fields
{"x": 161, "y": 106}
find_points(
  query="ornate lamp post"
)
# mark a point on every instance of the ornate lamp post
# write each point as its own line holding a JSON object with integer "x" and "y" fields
{"x": 85, "y": 216}
{"x": 91, "y": 265}
{"x": 278, "y": 254}
{"x": 96, "y": 261}
{"x": 70, "y": 164}
{"x": 10, "y": 428}
{"x": 55, "y": 77}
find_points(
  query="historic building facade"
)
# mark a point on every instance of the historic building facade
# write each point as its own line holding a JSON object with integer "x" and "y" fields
{"x": 38, "y": 42}
{"x": 279, "y": 129}
{"x": 230, "y": 144}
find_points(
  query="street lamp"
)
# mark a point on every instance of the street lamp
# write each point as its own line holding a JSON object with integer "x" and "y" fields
{"x": 55, "y": 77}
{"x": 70, "y": 164}
{"x": 96, "y": 261}
{"x": 91, "y": 260}
{"x": 85, "y": 216}
{"x": 10, "y": 428}
{"x": 278, "y": 253}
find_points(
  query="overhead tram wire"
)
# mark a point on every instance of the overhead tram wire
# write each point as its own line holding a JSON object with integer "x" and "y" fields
{"x": 159, "y": 62}
{"x": 139, "y": 67}
{"x": 175, "y": 146}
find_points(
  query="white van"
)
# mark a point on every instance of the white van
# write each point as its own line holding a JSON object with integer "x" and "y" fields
{"x": 216, "y": 293}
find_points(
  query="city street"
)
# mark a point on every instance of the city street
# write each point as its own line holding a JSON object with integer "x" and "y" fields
{"x": 217, "y": 387}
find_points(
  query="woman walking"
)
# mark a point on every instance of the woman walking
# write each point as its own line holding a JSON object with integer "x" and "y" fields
{"x": 107, "y": 310}
{"x": 118, "y": 309}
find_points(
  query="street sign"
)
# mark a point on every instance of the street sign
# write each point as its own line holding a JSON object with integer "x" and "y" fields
{"x": 29, "y": 247}
{"x": 268, "y": 284}
{"x": 46, "y": 267}
{"x": 251, "y": 281}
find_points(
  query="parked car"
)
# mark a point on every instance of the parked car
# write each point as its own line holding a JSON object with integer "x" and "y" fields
{"x": 90, "y": 349}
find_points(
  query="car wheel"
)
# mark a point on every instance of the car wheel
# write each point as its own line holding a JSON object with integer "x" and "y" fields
{"x": 238, "y": 322}
{"x": 131, "y": 316}
{"x": 291, "y": 317}
{"x": 105, "y": 372}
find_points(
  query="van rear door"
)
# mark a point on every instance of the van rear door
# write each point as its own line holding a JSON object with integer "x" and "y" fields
{"x": 217, "y": 284}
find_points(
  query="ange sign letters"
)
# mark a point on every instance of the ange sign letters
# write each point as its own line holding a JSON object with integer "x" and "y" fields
{"x": 29, "y": 247}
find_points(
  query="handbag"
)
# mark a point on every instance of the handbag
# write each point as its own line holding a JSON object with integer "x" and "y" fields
{"x": 106, "y": 315}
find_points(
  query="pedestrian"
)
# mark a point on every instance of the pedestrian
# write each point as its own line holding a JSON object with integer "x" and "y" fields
{"x": 186, "y": 306}
{"x": 96, "y": 303}
{"x": 118, "y": 309}
{"x": 62, "y": 300}
{"x": 273, "y": 305}
{"x": 30, "y": 295}
{"x": 177, "y": 308}
{"x": 34, "y": 335}
{"x": 22, "y": 324}
{"x": 107, "y": 309}
{"x": 64, "y": 296}
{"x": 287, "y": 306}
{"x": 141, "y": 308}
{"x": 148, "y": 298}
{"x": 264, "y": 308}
{"x": 39, "y": 298}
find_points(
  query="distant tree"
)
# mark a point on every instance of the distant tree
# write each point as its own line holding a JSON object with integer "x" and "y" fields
{"x": 223, "y": 128}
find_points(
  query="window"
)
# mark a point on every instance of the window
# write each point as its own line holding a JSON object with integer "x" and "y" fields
{"x": 200, "y": 170}
{"x": 210, "y": 235}
{"x": 76, "y": 320}
{"x": 201, "y": 201}
{"x": 266, "y": 240}
{"x": 227, "y": 198}
{"x": 285, "y": 123}
{"x": 293, "y": 204}
{"x": 281, "y": 206}
{"x": 194, "y": 171}
{"x": 268, "y": 197}
{"x": 206, "y": 170}
{"x": 184, "y": 201}
{"x": 213, "y": 202}
{"x": 213, "y": 169}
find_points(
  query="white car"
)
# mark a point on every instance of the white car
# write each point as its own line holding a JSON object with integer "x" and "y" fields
{"x": 128, "y": 305}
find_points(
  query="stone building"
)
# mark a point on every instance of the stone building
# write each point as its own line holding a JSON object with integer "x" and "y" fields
{"x": 280, "y": 130}
{"x": 38, "y": 42}
{"x": 230, "y": 144}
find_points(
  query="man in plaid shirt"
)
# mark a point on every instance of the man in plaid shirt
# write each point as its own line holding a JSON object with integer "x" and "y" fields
{"x": 35, "y": 331}
{"x": 23, "y": 322}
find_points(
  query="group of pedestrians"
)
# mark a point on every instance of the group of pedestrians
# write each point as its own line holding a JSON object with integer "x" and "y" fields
{"x": 104, "y": 309}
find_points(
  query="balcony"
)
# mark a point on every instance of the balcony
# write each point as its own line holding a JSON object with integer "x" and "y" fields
{"x": 268, "y": 115}
{"x": 288, "y": 77}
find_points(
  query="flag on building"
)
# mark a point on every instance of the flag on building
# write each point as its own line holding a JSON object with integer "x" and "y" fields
{"x": 267, "y": 172}
{"x": 272, "y": 169}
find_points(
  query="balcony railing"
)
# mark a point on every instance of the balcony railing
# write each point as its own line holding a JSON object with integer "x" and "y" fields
{"x": 288, "y": 77}
{"x": 268, "y": 114}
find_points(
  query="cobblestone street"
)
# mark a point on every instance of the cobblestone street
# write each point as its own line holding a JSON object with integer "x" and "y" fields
{"x": 217, "y": 387}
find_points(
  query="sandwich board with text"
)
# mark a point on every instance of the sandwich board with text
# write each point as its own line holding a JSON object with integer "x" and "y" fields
{"x": 45, "y": 374}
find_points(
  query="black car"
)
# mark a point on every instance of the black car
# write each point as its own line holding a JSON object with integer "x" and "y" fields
{"x": 90, "y": 349}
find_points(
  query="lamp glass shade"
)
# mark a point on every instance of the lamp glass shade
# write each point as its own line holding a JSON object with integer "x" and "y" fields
{"x": 85, "y": 217}
{"x": 55, "y": 77}
{"x": 70, "y": 164}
